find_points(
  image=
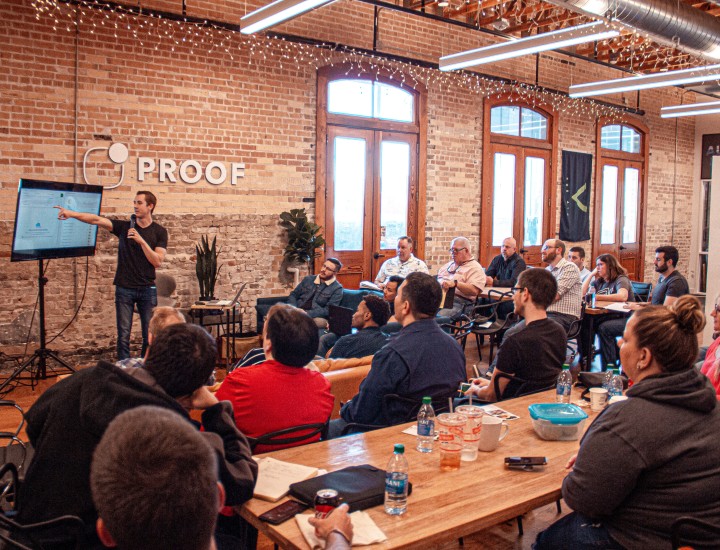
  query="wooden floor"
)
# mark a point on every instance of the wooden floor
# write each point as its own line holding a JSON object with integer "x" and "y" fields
{"x": 501, "y": 537}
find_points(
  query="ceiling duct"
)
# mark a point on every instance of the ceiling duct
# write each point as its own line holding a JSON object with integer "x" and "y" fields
{"x": 667, "y": 21}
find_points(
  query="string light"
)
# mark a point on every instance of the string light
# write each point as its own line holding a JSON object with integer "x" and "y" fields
{"x": 265, "y": 51}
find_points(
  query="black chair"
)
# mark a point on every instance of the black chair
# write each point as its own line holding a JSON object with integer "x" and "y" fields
{"x": 12, "y": 437}
{"x": 574, "y": 333}
{"x": 391, "y": 400}
{"x": 641, "y": 291}
{"x": 307, "y": 431}
{"x": 687, "y": 528}
{"x": 525, "y": 387}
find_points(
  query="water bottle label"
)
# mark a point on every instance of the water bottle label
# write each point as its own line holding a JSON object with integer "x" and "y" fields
{"x": 426, "y": 428}
{"x": 564, "y": 389}
{"x": 395, "y": 483}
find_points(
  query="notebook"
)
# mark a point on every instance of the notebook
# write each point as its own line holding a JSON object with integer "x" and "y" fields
{"x": 340, "y": 321}
{"x": 275, "y": 477}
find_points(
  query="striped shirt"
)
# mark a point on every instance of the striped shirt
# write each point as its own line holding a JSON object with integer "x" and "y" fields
{"x": 567, "y": 276}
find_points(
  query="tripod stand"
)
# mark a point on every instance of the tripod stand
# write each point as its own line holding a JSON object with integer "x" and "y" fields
{"x": 42, "y": 354}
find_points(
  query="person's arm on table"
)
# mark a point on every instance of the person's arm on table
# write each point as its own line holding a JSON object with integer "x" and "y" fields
{"x": 508, "y": 355}
{"x": 92, "y": 219}
{"x": 336, "y": 529}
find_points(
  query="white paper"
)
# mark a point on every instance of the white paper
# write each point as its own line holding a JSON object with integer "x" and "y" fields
{"x": 365, "y": 531}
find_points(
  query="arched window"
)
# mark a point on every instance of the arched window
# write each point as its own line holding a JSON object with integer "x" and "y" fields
{"x": 620, "y": 192}
{"x": 517, "y": 192}
{"x": 370, "y": 185}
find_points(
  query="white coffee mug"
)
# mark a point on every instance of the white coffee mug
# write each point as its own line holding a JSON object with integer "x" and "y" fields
{"x": 598, "y": 397}
{"x": 492, "y": 433}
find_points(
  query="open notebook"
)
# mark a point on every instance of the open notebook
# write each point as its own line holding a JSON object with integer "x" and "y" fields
{"x": 275, "y": 477}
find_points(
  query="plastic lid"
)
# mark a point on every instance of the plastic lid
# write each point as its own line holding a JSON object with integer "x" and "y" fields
{"x": 399, "y": 448}
{"x": 427, "y": 400}
{"x": 557, "y": 413}
{"x": 566, "y": 367}
{"x": 616, "y": 371}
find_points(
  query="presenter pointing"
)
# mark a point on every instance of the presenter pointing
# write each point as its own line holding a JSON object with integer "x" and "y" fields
{"x": 142, "y": 248}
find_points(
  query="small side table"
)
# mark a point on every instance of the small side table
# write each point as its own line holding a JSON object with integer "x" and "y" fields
{"x": 228, "y": 318}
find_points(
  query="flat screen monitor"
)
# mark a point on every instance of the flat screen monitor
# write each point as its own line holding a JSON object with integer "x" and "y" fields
{"x": 39, "y": 234}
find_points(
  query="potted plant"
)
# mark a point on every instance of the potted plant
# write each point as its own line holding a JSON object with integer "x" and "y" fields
{"x": 304, "y": 238}
{"x": 206, "y": 267}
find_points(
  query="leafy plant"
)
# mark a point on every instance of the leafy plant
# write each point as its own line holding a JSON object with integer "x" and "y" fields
{"x": 206, "y": 267}
{"x": 304, "y": 237}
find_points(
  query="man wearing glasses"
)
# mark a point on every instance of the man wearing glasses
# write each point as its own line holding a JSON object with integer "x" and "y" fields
{"x": 316, "y": 293}
{"x": 403, "y": 264}
{"x": 568, "y": 302}
{"x": 464, "y": 274}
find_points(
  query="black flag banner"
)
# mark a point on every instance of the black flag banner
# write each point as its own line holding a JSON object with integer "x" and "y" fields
{"x": 575, "y": 205}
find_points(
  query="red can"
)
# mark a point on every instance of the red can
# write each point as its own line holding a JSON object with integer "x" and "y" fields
{"x": 326, "y": 500}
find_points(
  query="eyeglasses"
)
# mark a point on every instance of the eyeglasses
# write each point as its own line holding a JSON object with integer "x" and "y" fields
{"x": 548, "y": 247}
{"x": 517, "y": 289}
{"x": 326, "y": 268}
{"x": 457, "y": 250}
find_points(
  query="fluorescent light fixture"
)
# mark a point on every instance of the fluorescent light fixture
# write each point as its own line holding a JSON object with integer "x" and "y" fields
{"x": 588, "y": 32}
{"x": 277, "y": 12}
{"x": 644, "y": 82}
{"x": 691, "y": 109}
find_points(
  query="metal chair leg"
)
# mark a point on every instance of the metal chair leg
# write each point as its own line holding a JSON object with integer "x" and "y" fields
{"x": 559, "y": 506}
{"x": 520, "y": 526}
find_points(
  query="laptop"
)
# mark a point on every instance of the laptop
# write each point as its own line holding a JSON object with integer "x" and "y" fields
{"x": 340, "y": 320}
{"x": 228, "y": 303}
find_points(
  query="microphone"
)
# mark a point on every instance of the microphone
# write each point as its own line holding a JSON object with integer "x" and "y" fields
{"x": 132, "y": 221}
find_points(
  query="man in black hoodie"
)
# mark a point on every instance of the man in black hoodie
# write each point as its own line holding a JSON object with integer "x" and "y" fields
{"x": 69, "y": 419}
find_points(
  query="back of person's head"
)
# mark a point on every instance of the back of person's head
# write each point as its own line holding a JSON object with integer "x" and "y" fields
{"x": 181, "y": 358}
{"x": 423, "y": 293}
{"x": 670, "y": 333}
{"x": 293, "y": 334}
{"x": 614, "y": 269}
{"x": 669, "y": 253}
{"x": 338, "y": 264}
{"x": 154, "y": 482}
{"x": 579, "y": 249}
{"x": 378, "y": 308}
{"x": 163, "y": 317}
{"x": 541, "y": 285}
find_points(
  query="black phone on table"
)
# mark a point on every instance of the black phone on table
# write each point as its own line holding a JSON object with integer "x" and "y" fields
{"x": 283, "y": 512}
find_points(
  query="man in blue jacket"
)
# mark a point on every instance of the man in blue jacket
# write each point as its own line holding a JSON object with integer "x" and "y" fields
{"x": 316, "y": 293}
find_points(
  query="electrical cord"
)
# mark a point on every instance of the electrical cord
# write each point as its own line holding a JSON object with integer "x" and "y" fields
{"x": 82, "y": 299}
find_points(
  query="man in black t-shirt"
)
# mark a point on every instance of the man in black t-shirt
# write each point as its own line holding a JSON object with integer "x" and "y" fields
{"x": 534, "y": 354}
{"x": 142, "y": 247}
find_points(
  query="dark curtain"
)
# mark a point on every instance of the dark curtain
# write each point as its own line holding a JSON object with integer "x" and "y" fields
{"x": 575, "y": 205}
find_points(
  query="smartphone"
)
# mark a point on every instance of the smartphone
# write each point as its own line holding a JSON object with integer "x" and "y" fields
{"x": 525, "y": 462}
{"x": 283, "y": 512}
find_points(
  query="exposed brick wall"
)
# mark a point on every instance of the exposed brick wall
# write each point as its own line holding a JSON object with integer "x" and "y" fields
{"x": 165, "y": 101}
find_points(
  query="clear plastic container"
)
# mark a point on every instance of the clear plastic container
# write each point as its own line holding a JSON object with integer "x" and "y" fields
{"x": 558, "y": 421}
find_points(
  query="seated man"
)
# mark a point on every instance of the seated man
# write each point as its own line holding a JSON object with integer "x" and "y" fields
{"x": 162, "y": 317}
{"x": 567, "y": 305}
{"x": 390, "y": 290}
{"x": 464, "y": 274}
{"x": 372, "y": 313}
{"x": 315, "y": 293}
{"x": 504, "y": 270}
{"x": 576, "y": 255}
{"x": 421, "y": 360}
{"x": 534, "y": 354}
{"x": 280, "y": 393}
{"x": 154, "y": 483}
{"x": 671, "y": 285}
{"x": 68, "y": 420}
{"x": 403, "y": 264}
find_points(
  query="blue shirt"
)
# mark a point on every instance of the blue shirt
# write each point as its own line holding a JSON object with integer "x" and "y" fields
{"x": 322, "y": 296}
{"x": 364, "y": 342}
{"x": 420, "y": 360}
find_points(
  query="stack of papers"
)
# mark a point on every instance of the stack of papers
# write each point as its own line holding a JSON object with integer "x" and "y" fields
{"x": 275, "y": 477}
{"x": 365, "y": 531}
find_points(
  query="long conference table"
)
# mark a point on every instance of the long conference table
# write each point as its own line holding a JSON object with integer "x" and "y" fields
{"x": 443, "y": 505}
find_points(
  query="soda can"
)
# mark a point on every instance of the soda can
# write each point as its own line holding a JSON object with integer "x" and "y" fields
{"x": 326, "y": 500}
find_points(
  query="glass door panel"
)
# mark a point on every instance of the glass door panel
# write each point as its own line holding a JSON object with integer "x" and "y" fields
{"x": 534, "y": 201}
{"x": 503, "y": 197}
{"x": 630, "y": 205}
{"x": 609, "y": 204}
{"x": 394, "y": 191}
{"x": 349, "y": 176}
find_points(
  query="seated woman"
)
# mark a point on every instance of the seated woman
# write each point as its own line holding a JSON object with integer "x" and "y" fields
{"x": 643, "y": 462}
{"x": 610, "y": 283}
{"x": 711, "y": 365}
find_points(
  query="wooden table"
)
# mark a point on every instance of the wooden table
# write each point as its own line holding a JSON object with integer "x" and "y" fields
{"x": 443, "y": 505}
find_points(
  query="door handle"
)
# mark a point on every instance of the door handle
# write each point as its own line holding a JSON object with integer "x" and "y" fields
{"x": 622, "y": 247}
{"x": 378, "y": 255}
{"x": 523, "y": 251}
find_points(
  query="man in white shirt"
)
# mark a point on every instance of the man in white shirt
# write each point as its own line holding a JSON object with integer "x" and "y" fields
{"x": 463, "y": 273}
{"x": 403, "y": 264}
{"x": 576, "y": 255}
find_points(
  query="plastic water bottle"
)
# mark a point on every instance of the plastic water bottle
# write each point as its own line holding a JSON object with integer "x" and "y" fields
{"x": 426, "y": 426}
{"x": 591, "y": 295}
{"x": 616, "y": 384}
{"x": 396, "y": 482}
{"x": 607, "y": 377}
{"x": 564, "y": 385}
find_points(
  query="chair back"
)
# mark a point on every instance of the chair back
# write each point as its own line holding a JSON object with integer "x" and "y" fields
{"x": 574, "y": 330}
{"x": 165, "y": 287}
{"x": 641, "y": 291}
{"x": 303, "y": 434}
{"x": 64, "y": 532}
{"x": 686, "y": 529}
{"x": 517, "y": 386}
{"x": 15, "y": 451}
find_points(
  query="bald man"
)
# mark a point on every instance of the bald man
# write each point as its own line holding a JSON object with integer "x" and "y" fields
{"x": 506, "y": 266}
{"x": 465, "y": 274}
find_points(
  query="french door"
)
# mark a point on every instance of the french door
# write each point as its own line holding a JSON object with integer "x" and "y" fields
{"x": 517, "y": 201}
{"x": 618, "y": 219}
{"x": 371, "y": 198}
